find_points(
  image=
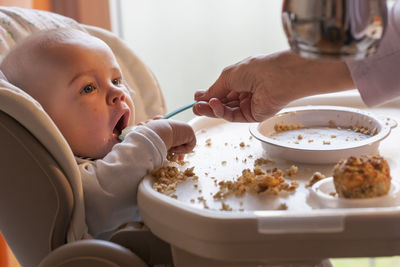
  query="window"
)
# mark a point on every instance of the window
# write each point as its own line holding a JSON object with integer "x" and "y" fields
{"x": 187, "y": 43}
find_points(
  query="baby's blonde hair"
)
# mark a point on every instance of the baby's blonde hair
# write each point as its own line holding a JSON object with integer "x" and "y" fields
{"x": 17, "y": 64}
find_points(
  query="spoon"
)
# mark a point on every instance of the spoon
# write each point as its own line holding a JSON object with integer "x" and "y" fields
{"x": 169, "y": 115}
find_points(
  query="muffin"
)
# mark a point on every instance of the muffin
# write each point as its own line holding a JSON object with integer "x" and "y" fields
{"x": 362, "y": 177}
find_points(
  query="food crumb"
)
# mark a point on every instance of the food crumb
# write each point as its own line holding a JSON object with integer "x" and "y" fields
{"x": 310, "y": 140}
{"x": 225, "y": 206}
{"x": 173, "y": 157}
{"x": 208, "y": 142}
{"x": 223, "y": 162}
{"x": 286, "y": 127}
{"x": 333, "y": 136}
{"x": 256, "y": 181}
{"x": 202, "y": 200}
{"x": 299, "y": 137}
{"x": 262, "y": 161}
{"x": 326, "y": 142}
{"x": 168, "y": 178}
{"x": 317, "y": 176}
{"x": 241, "y": 144}
{"x": 282, "y": 206}
{"x": 292, "y": 171}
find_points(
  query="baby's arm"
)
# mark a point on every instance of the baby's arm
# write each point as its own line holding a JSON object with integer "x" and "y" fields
{"x": 110, "y": 184}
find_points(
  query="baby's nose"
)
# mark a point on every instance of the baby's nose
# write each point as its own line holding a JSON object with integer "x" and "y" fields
{"x": 116, "y": 96}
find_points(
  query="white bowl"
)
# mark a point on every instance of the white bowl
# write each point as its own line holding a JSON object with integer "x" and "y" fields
{"x": 318, "y": 122}
{"x": 320, "y": 194}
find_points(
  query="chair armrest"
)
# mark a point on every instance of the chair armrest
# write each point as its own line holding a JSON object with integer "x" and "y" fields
{"x": 92, "y": 252}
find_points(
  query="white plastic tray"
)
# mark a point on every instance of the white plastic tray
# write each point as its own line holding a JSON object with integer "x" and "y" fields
{"x": 260, "y": 233}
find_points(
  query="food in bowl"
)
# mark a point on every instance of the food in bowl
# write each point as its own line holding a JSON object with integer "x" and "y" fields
{"x": 362, "y": 177}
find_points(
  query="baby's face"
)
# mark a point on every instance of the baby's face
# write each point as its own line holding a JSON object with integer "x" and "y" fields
{"x": 85, "y": 95}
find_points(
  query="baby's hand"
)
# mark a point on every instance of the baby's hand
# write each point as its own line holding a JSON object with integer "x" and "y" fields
{"x": 178, "y": 136}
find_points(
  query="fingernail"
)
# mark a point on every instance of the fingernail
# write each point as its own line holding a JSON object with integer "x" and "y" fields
{"x": 199, "y": 94}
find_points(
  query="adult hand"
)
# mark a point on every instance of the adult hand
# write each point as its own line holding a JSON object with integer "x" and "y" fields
{"x": 247, "y": 91}
{"x": 256, "y": 88}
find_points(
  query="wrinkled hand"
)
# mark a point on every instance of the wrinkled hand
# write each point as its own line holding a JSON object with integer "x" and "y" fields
{"x": 247, "y": 91}
{"x": 178, "y": 136}
{"x": 256, "y": 88}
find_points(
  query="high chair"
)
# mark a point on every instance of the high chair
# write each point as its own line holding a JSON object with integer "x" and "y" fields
{"x": 42, "y": 215}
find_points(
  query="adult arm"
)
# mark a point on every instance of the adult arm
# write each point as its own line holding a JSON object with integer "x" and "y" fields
{"x": 258, "y": 87}
{"x": 377, "y": 77}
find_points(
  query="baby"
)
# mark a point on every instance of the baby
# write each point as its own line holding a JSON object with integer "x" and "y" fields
{"x": 78, "y": 82}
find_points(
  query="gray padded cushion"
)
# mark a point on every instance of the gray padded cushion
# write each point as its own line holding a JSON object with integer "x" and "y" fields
{"x": 35, "y": 198}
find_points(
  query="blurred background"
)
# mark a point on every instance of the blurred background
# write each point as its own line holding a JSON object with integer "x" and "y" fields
{"x": 186, "y": 43}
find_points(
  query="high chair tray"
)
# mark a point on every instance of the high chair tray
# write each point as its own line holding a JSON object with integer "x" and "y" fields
{"x": 267, "y": 228}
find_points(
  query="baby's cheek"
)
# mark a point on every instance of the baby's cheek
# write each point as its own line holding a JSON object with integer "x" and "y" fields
{"x": 132, "y": 114}
{"x": 131, "y": 118}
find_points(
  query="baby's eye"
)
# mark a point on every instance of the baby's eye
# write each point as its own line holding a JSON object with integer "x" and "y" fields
{"x": 88, "y": 89}
{"x": 116, "y": 81}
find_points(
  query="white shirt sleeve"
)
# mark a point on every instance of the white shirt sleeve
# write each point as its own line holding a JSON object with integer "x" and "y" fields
{"x": 377, "y": 77}
{"x": 110, "y": 184}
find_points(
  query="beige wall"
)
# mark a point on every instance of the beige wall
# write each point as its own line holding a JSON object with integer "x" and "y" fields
{"x": 91, "y": 12}
{"x": 188, "y": 47}
{"x": 20, "y": 3}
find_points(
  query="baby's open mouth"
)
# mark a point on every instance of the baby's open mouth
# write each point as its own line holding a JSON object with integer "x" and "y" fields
{"x": 121, "y": 124}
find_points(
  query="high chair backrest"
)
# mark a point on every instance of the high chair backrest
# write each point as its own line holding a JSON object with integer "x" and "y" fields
{"x": 41, "y": 198}
{"x": 36, "y": 200}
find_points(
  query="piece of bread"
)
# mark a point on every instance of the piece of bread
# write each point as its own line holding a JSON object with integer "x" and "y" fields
{"x": 362, "y": 177}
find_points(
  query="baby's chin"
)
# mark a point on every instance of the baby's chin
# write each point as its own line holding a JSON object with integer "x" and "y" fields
{"x": 98, "y": 152}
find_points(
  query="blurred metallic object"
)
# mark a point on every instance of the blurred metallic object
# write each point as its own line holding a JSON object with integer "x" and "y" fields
{"x": 334, "y": 29}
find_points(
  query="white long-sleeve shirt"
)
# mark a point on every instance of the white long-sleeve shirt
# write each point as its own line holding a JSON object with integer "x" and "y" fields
{"x": 377, "y": 77}
{"x": 110, "y": 184}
